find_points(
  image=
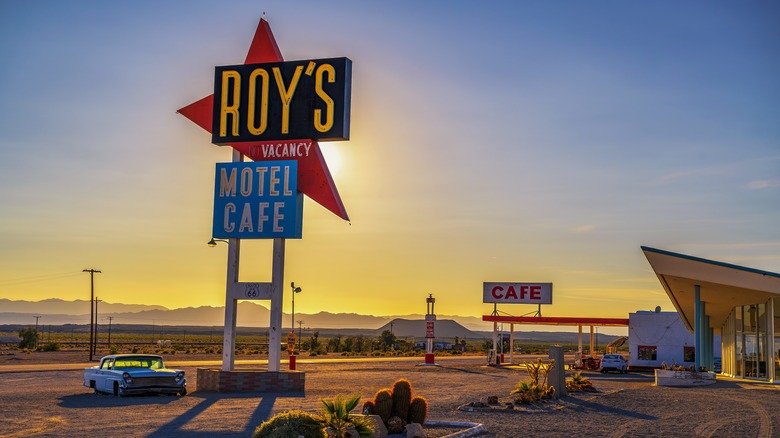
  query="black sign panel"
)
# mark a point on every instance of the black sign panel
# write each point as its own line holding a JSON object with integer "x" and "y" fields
{"x": 308, "y": 99}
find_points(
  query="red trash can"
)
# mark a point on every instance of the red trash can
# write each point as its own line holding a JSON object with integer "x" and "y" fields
{"x": 502, "y": 358}
{"x": 292, "y": 363}
{"x": 429, "y": 359}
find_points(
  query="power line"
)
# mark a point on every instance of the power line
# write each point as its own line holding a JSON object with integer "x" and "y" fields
{"x": 36, "y": 278}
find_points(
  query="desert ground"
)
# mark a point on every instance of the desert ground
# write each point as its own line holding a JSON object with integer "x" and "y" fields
{"x": 41, "y": 394}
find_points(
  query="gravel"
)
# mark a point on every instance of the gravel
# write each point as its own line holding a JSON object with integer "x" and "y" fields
{"x": 55, "y": 403}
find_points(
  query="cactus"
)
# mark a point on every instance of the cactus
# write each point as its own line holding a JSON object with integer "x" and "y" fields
{"x": 402, "y": 398}
{"x": 368, "y": 408}
{"x": 418, "y": 410}
{"x": 395, "y": 425}
{"x": 383, "y": 404}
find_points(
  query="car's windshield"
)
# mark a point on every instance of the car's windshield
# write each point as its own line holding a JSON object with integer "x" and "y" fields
{"x": 612, "y": 357}
{"x": 153, "y": 363}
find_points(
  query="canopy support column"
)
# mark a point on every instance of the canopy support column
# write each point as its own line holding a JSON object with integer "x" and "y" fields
{"x": 592, "y": 343}
{"x": 511, "y": 343}
{"x": 698, "y": 325}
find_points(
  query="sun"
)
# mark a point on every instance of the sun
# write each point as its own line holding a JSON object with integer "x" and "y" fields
{"x": 332, "y": 158}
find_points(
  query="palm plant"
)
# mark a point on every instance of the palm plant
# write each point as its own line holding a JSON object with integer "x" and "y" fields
{"x": 337, "y": 422}
{"x": 579, "y": 383}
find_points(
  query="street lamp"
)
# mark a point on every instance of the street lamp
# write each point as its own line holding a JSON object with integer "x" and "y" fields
{"x": 213, "y": 242}
{"x": 295, "y": 290}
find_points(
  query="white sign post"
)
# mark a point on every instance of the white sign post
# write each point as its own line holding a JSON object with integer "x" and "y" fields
{"x": 235, "y": 290}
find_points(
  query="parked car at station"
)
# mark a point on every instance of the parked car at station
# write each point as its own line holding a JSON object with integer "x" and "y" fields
{"x": 613, "y": 362}
{"x": 125, "y": 374}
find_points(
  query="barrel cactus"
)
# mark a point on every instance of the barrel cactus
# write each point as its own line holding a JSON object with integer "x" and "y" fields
{"x": 395, "y": 425}
{"x": 402, "y": 398}
{"x": 397, "y": 407}
{"x": 418, "y": 410}
{"x": 383, "y": 404}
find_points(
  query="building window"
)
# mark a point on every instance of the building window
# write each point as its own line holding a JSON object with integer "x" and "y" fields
{"x": 689, "y": 354}
{"x": 647, "y": 352}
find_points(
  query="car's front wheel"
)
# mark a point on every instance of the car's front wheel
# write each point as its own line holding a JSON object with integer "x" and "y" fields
{"x": 183, "y": 392}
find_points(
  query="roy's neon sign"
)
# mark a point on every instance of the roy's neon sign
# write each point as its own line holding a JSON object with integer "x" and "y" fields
{"x": 307, "y": 99}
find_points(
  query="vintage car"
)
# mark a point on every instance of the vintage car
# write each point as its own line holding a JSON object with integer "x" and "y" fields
{"x": 124, "y": 374}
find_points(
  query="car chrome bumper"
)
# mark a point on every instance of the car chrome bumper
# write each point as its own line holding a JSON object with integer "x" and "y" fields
{"x": 159, "y": 389}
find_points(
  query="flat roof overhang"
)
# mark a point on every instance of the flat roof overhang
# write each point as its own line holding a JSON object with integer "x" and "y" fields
{"x": 723, "y": 286}
{"x": 560, "y": 320}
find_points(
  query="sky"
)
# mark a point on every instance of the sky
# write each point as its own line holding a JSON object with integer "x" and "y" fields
{"x": 490, "y": 141}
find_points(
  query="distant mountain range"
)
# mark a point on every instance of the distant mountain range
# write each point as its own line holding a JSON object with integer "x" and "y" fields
{"x": 59, "y": 312}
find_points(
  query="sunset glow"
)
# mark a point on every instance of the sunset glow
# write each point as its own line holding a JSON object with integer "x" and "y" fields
{"x": 509, "y": 142}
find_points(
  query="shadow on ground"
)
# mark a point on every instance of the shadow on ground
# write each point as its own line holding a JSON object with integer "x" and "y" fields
{"x": 92, "y": 401}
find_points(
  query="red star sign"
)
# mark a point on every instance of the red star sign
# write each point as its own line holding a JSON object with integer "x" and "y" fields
{"x": 314, "y": 179}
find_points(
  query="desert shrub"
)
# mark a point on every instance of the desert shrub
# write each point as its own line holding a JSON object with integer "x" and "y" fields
{"x": 30, "y": 337}
{"x": 113, "y": 350}
{"x": 50, "y": 346}
{"x": 337, "y": 422}
{"x": 534, "y": 390}
{"x": 579, "y": 383}
{"x": 530, "y": 392}
{"x": 290, "y": 424}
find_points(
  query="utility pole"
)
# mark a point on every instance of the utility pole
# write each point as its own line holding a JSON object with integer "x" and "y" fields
{"x": 96, "y": 325}
{"x": 300, "y": 324}
{"x": 92, "y": 273}
{"x": 35, "y": 345}
{"x": 110, "y": 318}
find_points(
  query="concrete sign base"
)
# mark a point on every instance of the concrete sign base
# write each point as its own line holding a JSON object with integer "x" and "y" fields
{"x": 214, "y": 380}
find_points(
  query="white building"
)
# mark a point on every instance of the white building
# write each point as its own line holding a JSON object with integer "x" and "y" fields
{"x": 736, "y": 302}
{"x": 657, "y": 337}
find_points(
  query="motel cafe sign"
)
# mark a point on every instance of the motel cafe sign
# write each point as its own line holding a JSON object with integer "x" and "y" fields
{"x": 257, "y": 200}
{"x": 517, "y": 293}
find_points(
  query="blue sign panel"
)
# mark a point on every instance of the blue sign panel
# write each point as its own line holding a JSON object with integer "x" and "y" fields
{"x": 257, "y": 200}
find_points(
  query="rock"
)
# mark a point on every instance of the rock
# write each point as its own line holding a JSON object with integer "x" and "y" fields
{"x": 492, "y": 400}
{"x": 415, "y": 430}
{"x": 380, "y": 431}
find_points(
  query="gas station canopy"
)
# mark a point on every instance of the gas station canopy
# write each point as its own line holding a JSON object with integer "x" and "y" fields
{"x": 560, "y": 320}
{"x": 723, "y": 286}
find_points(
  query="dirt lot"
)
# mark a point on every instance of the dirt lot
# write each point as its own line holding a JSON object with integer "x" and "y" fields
{"x": 54, "y": 402}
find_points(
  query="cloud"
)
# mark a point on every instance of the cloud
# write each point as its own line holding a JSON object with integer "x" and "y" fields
{"x": 762, "y": 184}
{"x": 691, "y": 173}
{"x": 583, "y": 229}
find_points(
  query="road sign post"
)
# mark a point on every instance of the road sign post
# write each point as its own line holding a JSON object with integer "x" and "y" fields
{"x": 274, "y": 112}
